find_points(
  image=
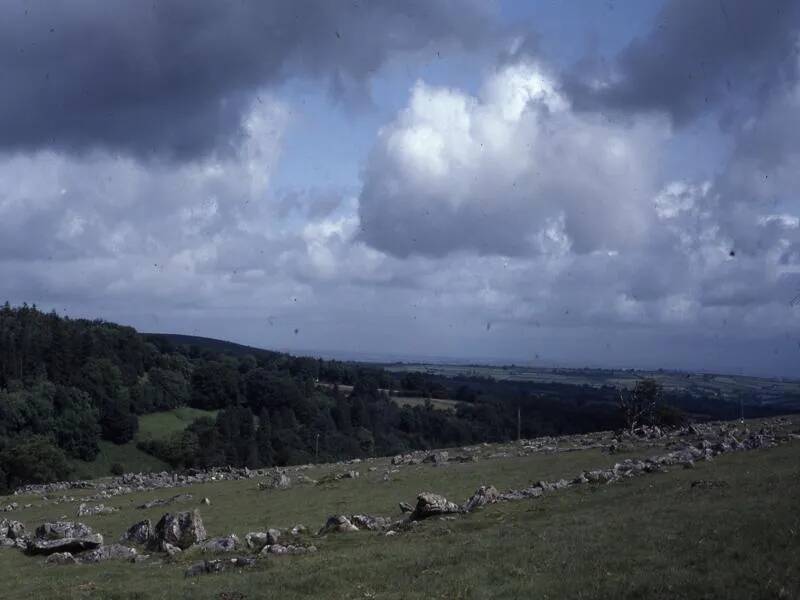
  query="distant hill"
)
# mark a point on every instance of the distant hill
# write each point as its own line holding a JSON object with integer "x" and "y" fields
{"x": 208, "y": 344}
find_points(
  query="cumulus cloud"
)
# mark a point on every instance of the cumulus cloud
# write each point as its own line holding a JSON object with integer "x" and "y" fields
{"x": 173, "y": 78}
{"x": 511, "y": 171}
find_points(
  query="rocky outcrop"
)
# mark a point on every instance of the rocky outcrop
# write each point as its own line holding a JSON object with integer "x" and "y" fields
{"x": 141, "y": 533}
{"x": 63, "y": 536}
{"x": 180, "y": 530}
{"x": 433, "y": 505}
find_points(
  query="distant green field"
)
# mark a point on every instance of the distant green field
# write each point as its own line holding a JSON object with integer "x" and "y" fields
{"x": 753, "y": 389}
{"x": 127, "y": 455}
{"x": 154, "y": 426}
{"x": 157, "y": 426}
{"x": 436, "y": 402}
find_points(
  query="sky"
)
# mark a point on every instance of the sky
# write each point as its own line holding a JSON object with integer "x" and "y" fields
{"x": 607, "y": 184}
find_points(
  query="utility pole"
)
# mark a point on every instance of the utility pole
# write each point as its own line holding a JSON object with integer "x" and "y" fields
{"x": 519, "y": 423}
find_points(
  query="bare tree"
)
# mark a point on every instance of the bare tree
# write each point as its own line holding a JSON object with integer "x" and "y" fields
{"x": 640, "y": 403}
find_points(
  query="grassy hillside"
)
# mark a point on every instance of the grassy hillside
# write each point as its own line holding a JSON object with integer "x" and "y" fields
{"x": 153, "y": 426}
{"x": 128, "y": 456}
{"x": 650, "y": 537}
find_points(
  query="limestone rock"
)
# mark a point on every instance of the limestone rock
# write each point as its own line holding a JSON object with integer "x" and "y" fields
{"x": 61, "y": 558}
{"x": 63, "y": 536}
{"x": 256, "y": 540}
{"x": 139, "y": 533}
{"x": 369, "y": 522}
{"x": 227, "y": 543}
{"x": 181, "y": 530}
{"x": 337, "y": 524}
{"x": 278, "y": 480}
{"x": 430, "y": 505}
{"x": 482, "y": 496}
{"x": 111, "y": 552}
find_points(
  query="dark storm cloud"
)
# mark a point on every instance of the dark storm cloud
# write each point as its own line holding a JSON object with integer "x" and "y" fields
{"x": 697, "y": 54}
{"x": 173, "y": 77}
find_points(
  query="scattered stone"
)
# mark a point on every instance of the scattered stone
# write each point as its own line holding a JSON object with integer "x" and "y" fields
{"x": 405, "y": 507}
{"x": 205, "y": 501}
{"x": 298, "y": 530}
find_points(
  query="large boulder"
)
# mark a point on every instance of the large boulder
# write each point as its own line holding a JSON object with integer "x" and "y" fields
{"x": 59, "y": 530}
{"x": 431, "y": 505}
{"x": 63, "y": 536}
{"x": 181, "y": 530}
{"x": 482, "y": 496}
{"x": 139, "y": 533}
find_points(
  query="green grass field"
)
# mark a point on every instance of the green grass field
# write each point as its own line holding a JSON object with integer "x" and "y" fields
{"x": 157, "y": 426}
{"x": 650, "y": 537}
{"x": 153, "y": 426}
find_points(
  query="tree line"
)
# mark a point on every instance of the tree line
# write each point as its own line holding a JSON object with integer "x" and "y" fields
{"x": 66, "y": 384}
